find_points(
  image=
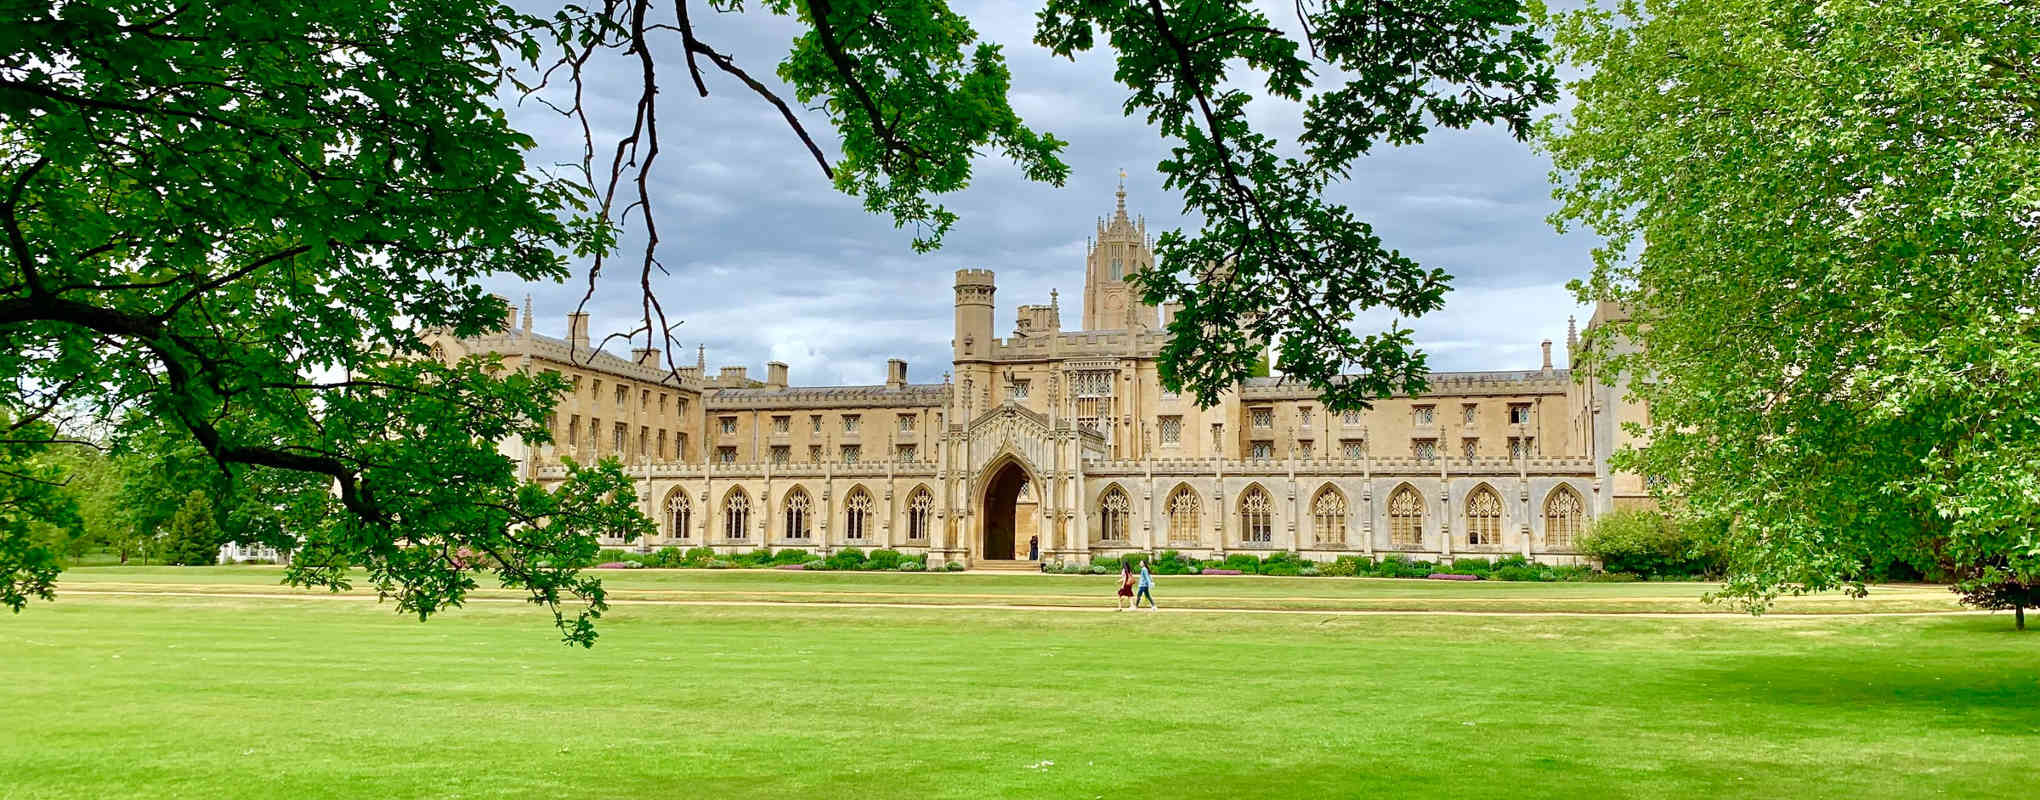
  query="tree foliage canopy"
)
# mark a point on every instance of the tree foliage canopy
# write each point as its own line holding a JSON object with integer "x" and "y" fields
{"x": 228, "y": 223}
{"x": 1824, "y": 220}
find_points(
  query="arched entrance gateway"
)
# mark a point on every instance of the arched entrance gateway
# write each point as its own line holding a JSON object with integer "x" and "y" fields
{"x": 1011, "y": 514}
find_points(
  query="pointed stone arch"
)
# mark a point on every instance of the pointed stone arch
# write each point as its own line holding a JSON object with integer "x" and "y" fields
{"x": 1328, "y": 516}
{"x": 797, "y": 514}
{"x": 679, "y": 514}
{"x": 920, "y": 513}
{"x": 1565, "y": 517}
{"x": 1405, "y": 517}
{"x": 1115, "y": 514}
{"x": 857, "y": 515}
{"x": 1483, "y": 516}
{"x": 1185, "y": 510}
{"x": 1256, "y": 508}
{"x": 736, "y": 515}
{"x": 1001, "y": 522}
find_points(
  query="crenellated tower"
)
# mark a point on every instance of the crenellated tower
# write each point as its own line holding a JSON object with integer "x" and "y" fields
{"x": 1121, "y": 248}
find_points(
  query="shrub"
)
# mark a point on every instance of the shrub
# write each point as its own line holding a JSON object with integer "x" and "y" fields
{"x": 1110, "y": 563}
{"x": 1098, "y": 569}
{"x": 815, "y": 564}
{"x": 848, "y": 558}
{"x": 760, "y": 557}
{"x": 912, "y": 566}
{"x": 1173, "y": 563}
{"x": 721, "y": 563}
{"x": 791, "y": 555}
{"x": 1246, "y": 563}
{"x": 1472, "y": 566}
{"x": 1134, "y": 560}
{"x": 1516, "y": 572}
{"x": 610, "y": 555}
{"x": 954, "y": 566}
{"x": 1341, "y": 567}
{"x": 664, "y": 558}
{"x": 1309, "y": 571}
{"x": 883, "y": 559}
{"x": 698, "y": 556}
{"x": 1512, "y": 561}
{"x": 1649, "y": 544}
{"x": 917, "y": 558}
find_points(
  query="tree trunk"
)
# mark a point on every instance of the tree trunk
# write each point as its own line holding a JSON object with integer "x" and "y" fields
{"x": 2019, "y": 618}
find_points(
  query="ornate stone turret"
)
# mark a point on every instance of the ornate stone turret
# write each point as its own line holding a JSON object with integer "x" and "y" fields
{"x": 1121, "y": 249}
{"x": 974, "y": 291}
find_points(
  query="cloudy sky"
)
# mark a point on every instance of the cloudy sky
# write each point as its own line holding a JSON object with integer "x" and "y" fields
{"x": 768, "y": 262}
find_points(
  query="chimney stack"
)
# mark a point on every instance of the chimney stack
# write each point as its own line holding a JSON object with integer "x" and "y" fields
{"x": 577, "y": 330}
{"x": 734, "y": 374}
{"x": 895, "y": 373}
{"x": 509, "y": 314}
{"x": 645, "y": 356}
{"x": 775, "y": 374}
{"x": 1547, "y": 356}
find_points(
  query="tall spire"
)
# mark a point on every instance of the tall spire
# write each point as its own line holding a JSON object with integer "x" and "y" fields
{"x": 1120, "y": 213}
{"x": 701, "y": 359}
{"x": 1572, "y": 337}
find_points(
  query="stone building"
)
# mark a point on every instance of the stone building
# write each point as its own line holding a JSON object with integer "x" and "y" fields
{"x": 1062, "y": 444}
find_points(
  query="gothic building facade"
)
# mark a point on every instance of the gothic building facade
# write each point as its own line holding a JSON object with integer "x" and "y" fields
{"x": 1058, "y": 444}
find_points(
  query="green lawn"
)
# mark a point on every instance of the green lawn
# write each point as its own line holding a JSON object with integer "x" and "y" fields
{"x": 175, "y": 695}
{"x": 1252, "y": 592}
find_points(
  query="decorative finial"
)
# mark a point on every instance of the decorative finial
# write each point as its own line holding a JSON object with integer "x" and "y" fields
{"x": 1052, "y": 301}
{"x": 1120, "y": 213}
{"x": 1572, "y": 335}
{"x": 701, "y": 358}
{"x": 527, "y": 312}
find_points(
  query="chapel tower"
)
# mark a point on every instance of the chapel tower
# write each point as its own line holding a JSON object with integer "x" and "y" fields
{"x": 1121, "y": 248}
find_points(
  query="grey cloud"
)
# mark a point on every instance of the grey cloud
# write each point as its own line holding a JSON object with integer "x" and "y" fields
{"x": 767, "y": 261}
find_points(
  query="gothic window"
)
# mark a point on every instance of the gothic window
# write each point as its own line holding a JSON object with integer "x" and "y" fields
{"x": 1467, "y": 410}
{"x": 857, "y": 515}
{"x": 1264, "y": 417}
{"x": 907, "y": 452}
{"x": 1352, "y": 418}
{"x": 1264, "y": 450}
{"x": 644, "y": 401}
{"x": 1304, "y": 449}
{"x": 907, "y": 423}
{"x": 1405, "y": 517}
{"x": 920, "y": 510}
{"x": 1217, "y": 437}
{"x": 1020, "y": 389}
{"x": 850, "y": 423}
{"x": 800, "y": 514}
{"x": 1564, "y": 517}
{"x": 814, "y": 454}
{"x": 782, "y": 424}
{"x": 1172, "y": 430}
{"x": 1425, "y": 449}
{"x": 622, "y": 396}
{"x": 1303, "y": 417}
{"x": 1118, "y": 269}
{"x": 679, "y": 513}
{"x": 1183, "y": 513}
{"x": 1423, "y": 415}
{"x": 1328, "y": 516}
{"x": 726, "y": 455}
{"x": 1256, "y": 517}
{"x": 1469, "y": 447}
{"x": 618, "y": 434}
{"x": 736, "y": 515}
{"x": 1522, "y": 447}
{"x": 680, "y": 445}
{"x": 1484, "y": 516}
{"x": 574, "y": 432}
{"x": 1113, "y": 511}
{"x": 1092, "y": 389}
{"x": 662, "y": 445}
{"x": 781, "y": 454}
{"x": 851, "y": 453}
{"x": 816, "y": 420}
{"x": 729, "y": 424}
{"x": 1519, "y": 413}
{"x": 1353, "y": 448}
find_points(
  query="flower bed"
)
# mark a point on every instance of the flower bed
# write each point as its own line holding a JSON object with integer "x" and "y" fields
{"x": 1447, "y": 576}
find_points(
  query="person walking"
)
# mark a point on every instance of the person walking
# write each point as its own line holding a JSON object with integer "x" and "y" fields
{"x": 1147, "y": 585}
{"x": 1125, "y": 585}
